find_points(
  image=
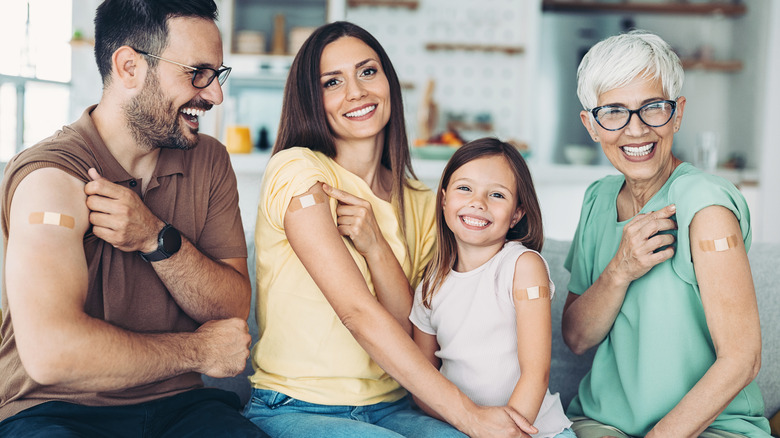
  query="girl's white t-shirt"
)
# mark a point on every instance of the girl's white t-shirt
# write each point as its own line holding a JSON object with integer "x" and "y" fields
{"x": 473, "y": 318}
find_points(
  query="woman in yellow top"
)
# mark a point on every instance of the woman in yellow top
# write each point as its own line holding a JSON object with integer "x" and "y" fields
{"x": 343, "y": 234}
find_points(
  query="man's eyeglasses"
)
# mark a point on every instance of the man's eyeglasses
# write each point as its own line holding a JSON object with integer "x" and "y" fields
{"x": 202, "y": 77}
{"x": 654, "y": 114}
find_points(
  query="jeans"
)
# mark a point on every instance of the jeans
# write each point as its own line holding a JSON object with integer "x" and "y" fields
{"x": 281, "y": 416}
{"x": 206, "y": 413}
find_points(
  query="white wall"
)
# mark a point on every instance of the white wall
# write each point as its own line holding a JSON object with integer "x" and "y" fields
{"x": 766, "y": 221}
{"x": 86, "y": 85}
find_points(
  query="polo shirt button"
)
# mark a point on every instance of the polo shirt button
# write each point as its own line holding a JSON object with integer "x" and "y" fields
{"x": 133, "y": 183}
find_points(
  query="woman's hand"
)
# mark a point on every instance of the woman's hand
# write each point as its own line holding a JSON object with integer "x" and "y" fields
{"x": 640, "y": 247}
{"x": 502, "y": 421}
{"x": 588, "y": 318}
{"x": 356, "y": 220}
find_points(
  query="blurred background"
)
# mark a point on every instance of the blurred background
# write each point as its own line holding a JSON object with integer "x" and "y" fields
{"x": 468, "y": 69}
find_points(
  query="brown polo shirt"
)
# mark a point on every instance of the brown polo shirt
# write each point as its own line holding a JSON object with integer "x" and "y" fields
{"x": 193, "y": 190}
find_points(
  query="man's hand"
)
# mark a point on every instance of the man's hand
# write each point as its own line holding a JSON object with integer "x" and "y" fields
{"x": 119, "y": 217}
{"x": 224, "y": 347}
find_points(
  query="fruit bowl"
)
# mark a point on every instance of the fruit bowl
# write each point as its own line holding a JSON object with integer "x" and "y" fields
{"x": 433, "y": 152}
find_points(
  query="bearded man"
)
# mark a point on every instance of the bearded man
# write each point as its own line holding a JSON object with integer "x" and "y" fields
{"x": 125, "y": 267}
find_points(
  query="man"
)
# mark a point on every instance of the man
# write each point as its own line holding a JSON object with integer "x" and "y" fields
{"x": 126, "y": 274}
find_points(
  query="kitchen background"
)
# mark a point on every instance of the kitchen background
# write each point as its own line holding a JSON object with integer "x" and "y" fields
{"x": 494, "y": 67}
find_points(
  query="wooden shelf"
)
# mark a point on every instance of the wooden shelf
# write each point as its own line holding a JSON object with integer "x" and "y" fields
{"x": 678, "y": 7}
{"x": 712, "y": 65}
{"x": 470, "y": 126}
{"x": 409, "y": 4}
{"x": 82, "y": 42}
{"x": 511, "y": 50}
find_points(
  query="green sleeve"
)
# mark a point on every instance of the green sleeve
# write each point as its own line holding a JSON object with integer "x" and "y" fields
{"x": 693, "y": 192}
{"x": 579, "y": 261}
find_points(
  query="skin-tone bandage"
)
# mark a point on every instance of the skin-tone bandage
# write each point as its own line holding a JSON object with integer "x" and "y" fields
{"x": 49, "y": 218}
{"x": 532, "y": 293}
{"x": 307, "y": 201}
{"x": 719, "y": 244}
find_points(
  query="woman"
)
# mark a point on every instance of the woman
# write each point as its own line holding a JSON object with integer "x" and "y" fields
{"x": 342, "y": 235}
{"x": 660, "y": 280}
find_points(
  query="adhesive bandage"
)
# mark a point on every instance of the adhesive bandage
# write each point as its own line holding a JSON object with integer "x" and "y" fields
{"x": 306, "y": 201}
{"x": 532, "y": 293}
{"x": 49, "y": 218}
{"x": 719, "y": 244}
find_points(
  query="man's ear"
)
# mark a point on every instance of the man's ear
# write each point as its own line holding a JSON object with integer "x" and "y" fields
{"x": 127, "y": 67}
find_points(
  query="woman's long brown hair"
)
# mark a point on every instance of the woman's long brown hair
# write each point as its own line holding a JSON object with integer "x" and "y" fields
{"x": 303, "y": 122}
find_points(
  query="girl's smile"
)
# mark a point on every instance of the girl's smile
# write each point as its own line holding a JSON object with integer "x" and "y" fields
{"x": 480, "y": 205}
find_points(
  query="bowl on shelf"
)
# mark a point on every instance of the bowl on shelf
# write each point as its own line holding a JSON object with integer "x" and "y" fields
{"x": 580, "y": 154}
{"x": 433, "y": 152}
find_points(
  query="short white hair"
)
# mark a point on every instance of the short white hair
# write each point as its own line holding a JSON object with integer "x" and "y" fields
{"x": 617, "y": 60}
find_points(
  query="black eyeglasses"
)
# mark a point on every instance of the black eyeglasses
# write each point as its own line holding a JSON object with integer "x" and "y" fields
{"x": 654, "y": 114}
{"x": 202, "y": 77}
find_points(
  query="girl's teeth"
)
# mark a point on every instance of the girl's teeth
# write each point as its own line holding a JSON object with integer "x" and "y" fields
{"x": 474, "y": 222}
{"x": 638, "y": 151}
{"x": 361, "y": 112}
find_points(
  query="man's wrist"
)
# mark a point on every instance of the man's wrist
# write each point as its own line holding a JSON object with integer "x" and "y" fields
{"x": 150, "y": 244}
{"x": 168, "y": 244}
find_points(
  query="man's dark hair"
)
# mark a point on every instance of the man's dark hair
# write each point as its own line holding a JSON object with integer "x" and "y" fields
{"x": 141, "y": 24}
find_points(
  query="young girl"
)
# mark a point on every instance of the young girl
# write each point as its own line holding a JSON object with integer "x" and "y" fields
{"x": 482, "y": 312}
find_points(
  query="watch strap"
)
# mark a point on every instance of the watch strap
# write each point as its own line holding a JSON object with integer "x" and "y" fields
{"x": 160, "y": 253}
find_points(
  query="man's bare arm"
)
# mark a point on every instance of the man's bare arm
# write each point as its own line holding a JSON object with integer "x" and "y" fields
{"x": 59, "y": 344}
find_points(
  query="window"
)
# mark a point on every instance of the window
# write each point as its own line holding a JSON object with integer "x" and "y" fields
{"x": 35, "y": 71}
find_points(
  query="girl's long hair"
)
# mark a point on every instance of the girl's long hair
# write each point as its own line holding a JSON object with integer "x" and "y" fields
{"x": 303, "y": 122}
{"x": 527, "y": 231}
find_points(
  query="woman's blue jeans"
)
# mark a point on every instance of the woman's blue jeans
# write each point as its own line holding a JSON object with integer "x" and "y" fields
{"x": 281, "y": 416}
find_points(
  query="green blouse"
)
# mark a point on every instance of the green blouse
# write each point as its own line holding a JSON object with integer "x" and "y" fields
{"x": 659, "y": 345}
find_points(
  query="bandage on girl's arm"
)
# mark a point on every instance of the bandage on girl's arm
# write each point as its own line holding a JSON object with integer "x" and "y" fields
{"x": 531, "y": 297}
{"x": 531, "y": 293}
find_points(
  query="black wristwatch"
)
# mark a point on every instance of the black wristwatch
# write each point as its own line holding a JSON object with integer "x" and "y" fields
{"x": 168, "y": 242}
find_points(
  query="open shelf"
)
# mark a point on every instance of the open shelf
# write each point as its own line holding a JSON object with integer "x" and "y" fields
{"x": 712, "y": 65}
{"x": 409, "y": 4}
{"x": 510, "y": 50}
{"x": 679, "y": 7}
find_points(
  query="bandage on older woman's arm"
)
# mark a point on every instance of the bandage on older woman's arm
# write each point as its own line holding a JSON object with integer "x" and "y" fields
{"x": 719, "y": 245}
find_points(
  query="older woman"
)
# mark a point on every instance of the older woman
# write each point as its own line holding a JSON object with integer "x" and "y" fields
{"x": 342, "y": 234}
{"x": 660, "y": 281}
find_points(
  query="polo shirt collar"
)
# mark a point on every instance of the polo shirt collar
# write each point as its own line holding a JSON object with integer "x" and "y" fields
{"x": 170, "y": 161}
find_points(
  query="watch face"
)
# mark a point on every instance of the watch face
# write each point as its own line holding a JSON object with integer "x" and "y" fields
{"x": 171, "y": 240}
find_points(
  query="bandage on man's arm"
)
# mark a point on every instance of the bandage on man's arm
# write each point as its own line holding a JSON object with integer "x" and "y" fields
{"x": 51, "y": 218}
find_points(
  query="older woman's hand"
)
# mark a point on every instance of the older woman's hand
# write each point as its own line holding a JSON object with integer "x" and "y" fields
{"x": 640, "y": 247}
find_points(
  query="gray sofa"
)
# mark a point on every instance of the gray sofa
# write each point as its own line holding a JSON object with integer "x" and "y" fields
{"x": 567, "y": 369}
